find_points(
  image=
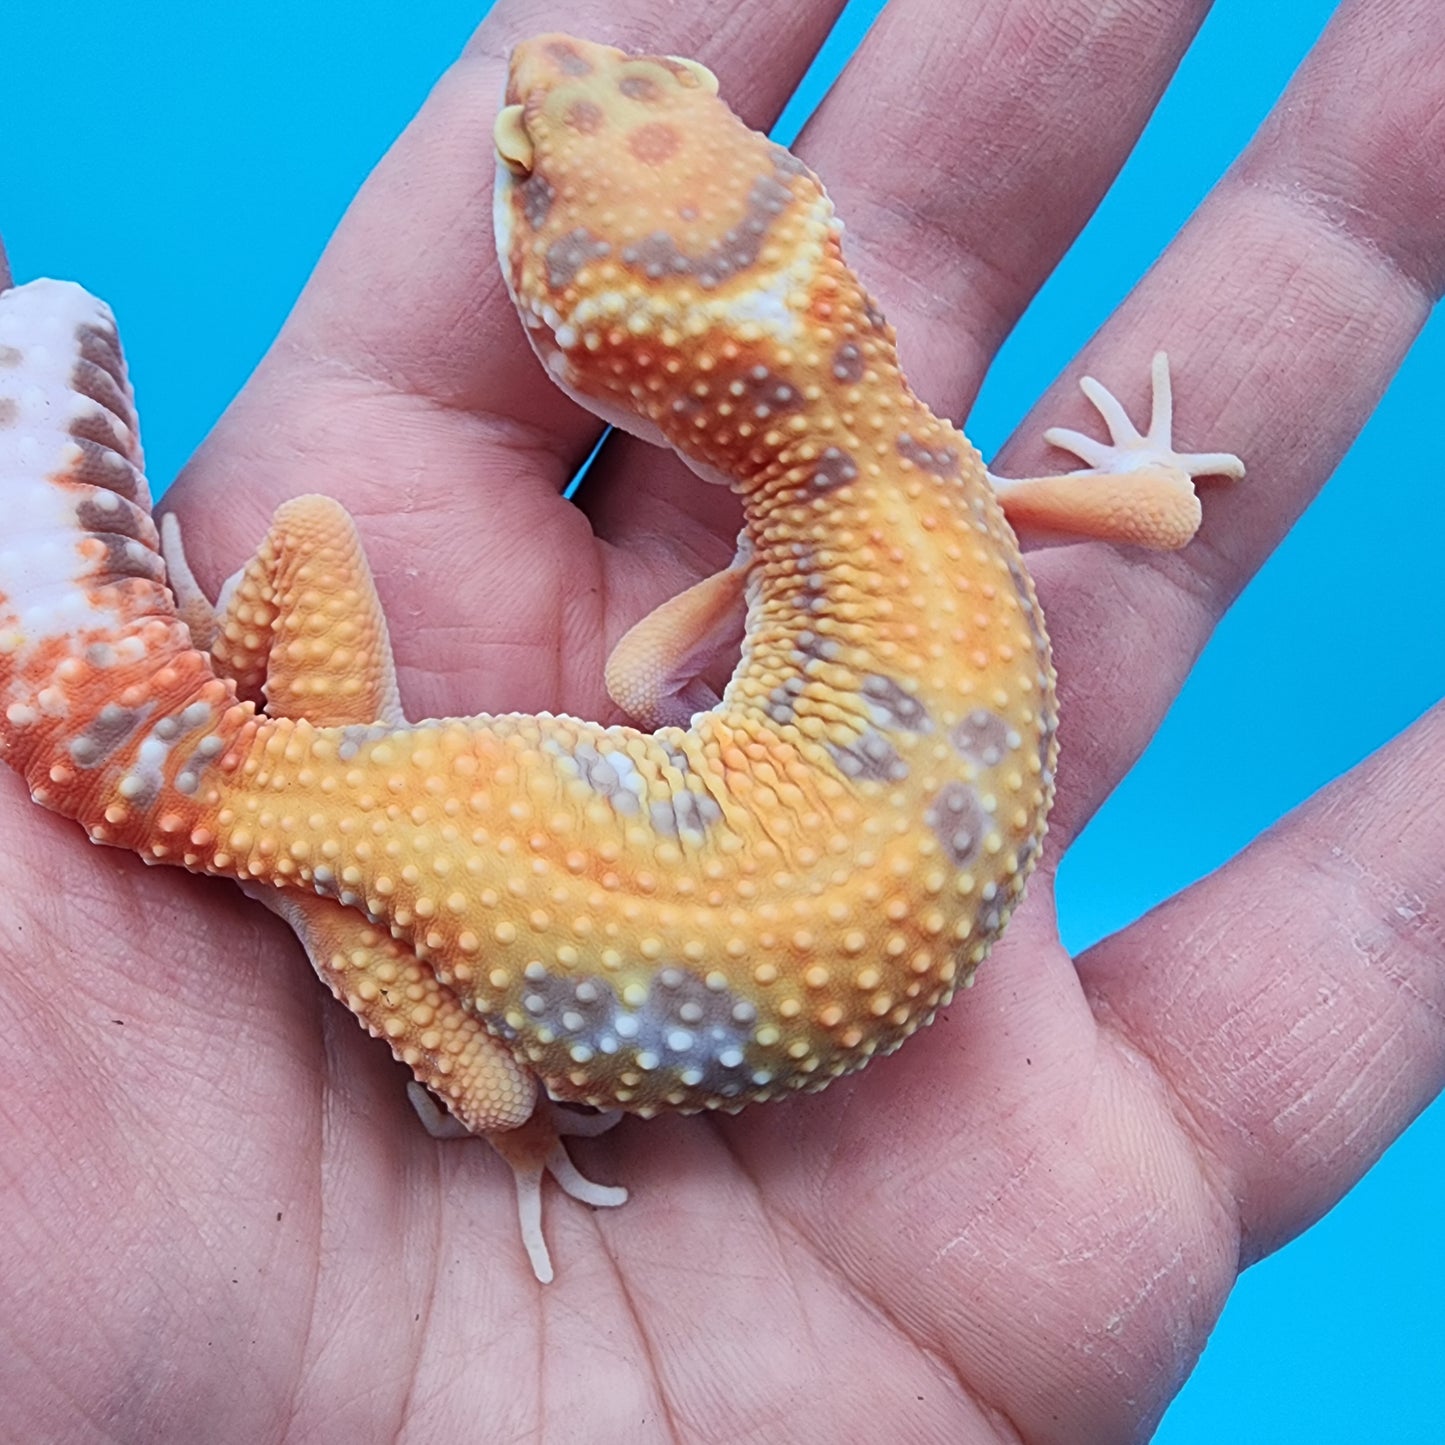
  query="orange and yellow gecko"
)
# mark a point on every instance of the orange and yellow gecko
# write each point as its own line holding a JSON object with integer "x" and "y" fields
{"x": 743, "y": 897}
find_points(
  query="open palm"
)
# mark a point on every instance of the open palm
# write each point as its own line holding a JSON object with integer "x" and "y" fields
{"x": 221, "y": 1221}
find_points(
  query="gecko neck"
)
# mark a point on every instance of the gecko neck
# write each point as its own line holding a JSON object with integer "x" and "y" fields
{"x": 864, "y": 550}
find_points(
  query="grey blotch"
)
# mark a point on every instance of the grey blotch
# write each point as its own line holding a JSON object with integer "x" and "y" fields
{"x": 941, "y": 463}
{"x": 605, "y": 774}
{"x": 537, "y": 194}
{"x": 984, "y": 737}
{"x": 675, "y": 755}
{"x": 640, "y": 87}
{"x": 891, "y": 706}
{"x": 355, "y": 736}
{"x": 568, "y": 254}
{"x": 686, "y": 1028}
{"x": 787, "y": 164}
{"x": 113, "y": 726}
{"x": 834, "y": 468}
{"x": 659, "y": 255}
{"x": 958, "y": 822}
{"x": 768, "y": 394}
{"x": 848, "y": 362}
{"x": 782, "y": 706}
{"x": 871, "y": 759}
{"x": 816, "y": 648}
{"x": 685, "y": 812}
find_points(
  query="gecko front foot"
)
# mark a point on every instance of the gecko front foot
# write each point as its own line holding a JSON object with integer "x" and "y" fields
{"x": 1129, "y": 450}
{"x": 1134, "y": 488}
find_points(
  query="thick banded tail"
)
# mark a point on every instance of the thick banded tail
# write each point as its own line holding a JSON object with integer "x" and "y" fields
{"x": 102, "y": 694}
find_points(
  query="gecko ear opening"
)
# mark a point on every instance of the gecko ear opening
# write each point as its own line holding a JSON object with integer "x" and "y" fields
{"x": 514, "y": 145}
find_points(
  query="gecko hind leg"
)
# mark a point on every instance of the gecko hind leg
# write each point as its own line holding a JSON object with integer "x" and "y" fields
{"x": 301, "y": 625}
{"x": 1134, "y": 488}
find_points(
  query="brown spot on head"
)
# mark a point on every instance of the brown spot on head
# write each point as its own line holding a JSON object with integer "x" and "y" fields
{"x": 9, "y": 411}
{"x": 834, "y": 469}
{"x": 9, "y": 357}
{"x": 655, "y": 143}
{"x": 567, "y": 58}
{"x": 639, "y": 87}
{"x": 99, "y": 424}
{"x": 584, "y": 116}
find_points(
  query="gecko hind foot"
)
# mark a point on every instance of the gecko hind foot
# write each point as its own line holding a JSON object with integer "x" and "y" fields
{"x": 571, "y": 1180}
{"x": 533, "y": 1151}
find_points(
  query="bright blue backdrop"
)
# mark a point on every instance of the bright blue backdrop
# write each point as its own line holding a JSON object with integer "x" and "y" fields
{"x": 188, "y": 162}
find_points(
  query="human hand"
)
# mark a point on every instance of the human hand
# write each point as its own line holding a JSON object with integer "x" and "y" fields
{"x": 1018, "y": 1193}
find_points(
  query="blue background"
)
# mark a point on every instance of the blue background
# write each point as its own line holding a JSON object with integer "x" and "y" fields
{"x": 188, "y": 163}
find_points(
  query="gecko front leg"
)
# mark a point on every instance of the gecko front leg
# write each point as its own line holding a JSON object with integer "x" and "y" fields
{"x": 1135, "y": 487}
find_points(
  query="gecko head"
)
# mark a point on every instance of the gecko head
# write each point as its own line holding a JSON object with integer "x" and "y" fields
{"x": 642, "y": 229}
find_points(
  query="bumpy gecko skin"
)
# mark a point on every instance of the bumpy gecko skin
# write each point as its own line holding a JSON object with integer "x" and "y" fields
{"x": 744, "y": 903}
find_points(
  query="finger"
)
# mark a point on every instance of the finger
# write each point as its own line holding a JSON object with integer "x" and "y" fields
{"x": 1293, "y": 1002}
{"x": 1288, "y": 304}
{"x": 951, "y": 148}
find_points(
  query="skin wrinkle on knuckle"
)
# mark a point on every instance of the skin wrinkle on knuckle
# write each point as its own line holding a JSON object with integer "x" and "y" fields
{"x": 1215, "y": 1177}
{"x": 1356, "y": 229}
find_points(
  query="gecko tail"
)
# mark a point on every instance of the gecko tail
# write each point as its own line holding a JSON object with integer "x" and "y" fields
{"x": 98, "y": 677}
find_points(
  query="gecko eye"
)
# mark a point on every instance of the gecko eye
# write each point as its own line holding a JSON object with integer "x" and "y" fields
{"x": 514, "y": 145}
{"x": 704, "y": 77}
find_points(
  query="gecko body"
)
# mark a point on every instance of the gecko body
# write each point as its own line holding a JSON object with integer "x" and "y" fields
{"x": 731, "y": 904}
